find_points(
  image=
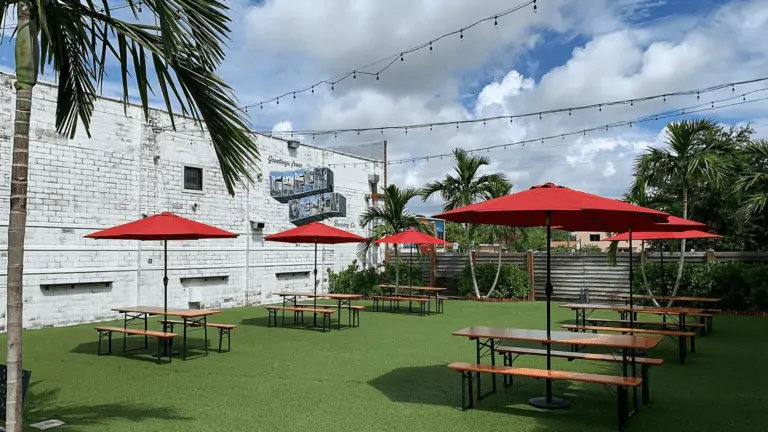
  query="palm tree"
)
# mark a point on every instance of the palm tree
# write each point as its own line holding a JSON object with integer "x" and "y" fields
{"x": 465, "y": 188}
{"x": 77, "y": 40}
{"x": 390, "y": 219}
{"x": 751, "y": 183}
{"x": 693, "y": 155}
{"x": 496, "y": 189}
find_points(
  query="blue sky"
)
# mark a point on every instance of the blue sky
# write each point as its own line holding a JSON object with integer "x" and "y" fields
{"x": 570, "y": 53}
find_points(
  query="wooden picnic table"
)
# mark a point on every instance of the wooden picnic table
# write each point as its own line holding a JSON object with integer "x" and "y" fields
{"x": 681, "y": 313}
{"x": 668, "y": 298}
{"x": 488, "y": 339}
{"x": 428, "y": 290}
{"x": 342, "y": 301}
{"x": 189, "y": 316}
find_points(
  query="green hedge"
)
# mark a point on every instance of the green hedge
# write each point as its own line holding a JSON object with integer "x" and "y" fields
{"x": 355, "y": 280}
{"x": 742, "y": 286}
{"x": 513, "y": 281}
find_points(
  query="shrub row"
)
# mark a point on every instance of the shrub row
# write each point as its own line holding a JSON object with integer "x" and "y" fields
{"x": 355, "y": 280}
{"x": 513, "y": 281}
{"x": 742, "y": 286}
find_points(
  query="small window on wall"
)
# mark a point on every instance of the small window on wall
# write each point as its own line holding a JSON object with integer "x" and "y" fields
{"x": 594, "y": 237}
{"x": 193, "y": 178}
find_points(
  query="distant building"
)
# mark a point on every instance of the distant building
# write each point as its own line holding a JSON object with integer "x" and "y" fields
{"x": 596, "y": 239}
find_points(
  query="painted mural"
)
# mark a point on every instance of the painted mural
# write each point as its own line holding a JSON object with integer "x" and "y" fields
{"x": 308, "y": 193}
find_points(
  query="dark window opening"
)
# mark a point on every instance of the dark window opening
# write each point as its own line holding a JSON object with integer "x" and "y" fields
{"x": 193, "y": 178}
{"x": 594, "y": 237}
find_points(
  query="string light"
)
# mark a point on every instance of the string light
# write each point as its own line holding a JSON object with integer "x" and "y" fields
{"x": 386, "y": 62}
{"x": 552, "y": 111}
{"x": 535, "y": 7}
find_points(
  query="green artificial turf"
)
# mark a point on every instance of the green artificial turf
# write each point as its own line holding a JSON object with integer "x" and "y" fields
{"x": 387, "y": 375}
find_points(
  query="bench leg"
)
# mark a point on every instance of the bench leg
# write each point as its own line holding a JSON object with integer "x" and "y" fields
{"x": 221, "y": 335}
{"x": 681, "y": 348}
{"x": 645, "y": 369}
{"x": 466, "y": 390}
{"x": 621, "y": 393}
{"x": 509, "y": 380}
{"x": 693, "y": 344}
{"x": 108, "y": 336}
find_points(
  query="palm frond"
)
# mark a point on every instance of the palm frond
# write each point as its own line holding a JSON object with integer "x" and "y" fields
{"x": 185, "y": 49}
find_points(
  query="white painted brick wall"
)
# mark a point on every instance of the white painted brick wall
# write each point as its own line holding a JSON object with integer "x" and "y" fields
{"x": 130, "y": 166}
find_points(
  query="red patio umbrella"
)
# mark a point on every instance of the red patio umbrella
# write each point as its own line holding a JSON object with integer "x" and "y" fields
{"x": 163, "y": 226}
{"x": 316, "y": 233}
{"x": 411, "y": 236}
{"x": 669, "y": 235}
{"x": 548, "y": 205}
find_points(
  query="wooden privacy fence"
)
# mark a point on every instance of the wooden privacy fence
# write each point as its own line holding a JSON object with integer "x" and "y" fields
{"x": 574, "y": 276}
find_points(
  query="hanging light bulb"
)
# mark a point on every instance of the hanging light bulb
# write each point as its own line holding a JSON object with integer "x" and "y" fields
{"x": 139, "y": 7}
{"x": 430, "y": 46}
{"x": 401, "y": 57}
{"x": 457, "y": 125}
{"x": 569, "y": 112}
{"x": 377, "y": 77}
{"x": 600, "y": 108}
{"x": 539, "y": 116}
{"x": 335, "y": 135}
{"x": 535, "y": 7}
{"x": 461, "y": 34}
{"x": 332, "y": 87}
{"x": 261, "y": 105}
{"x": 496, "y": 20}
{"x": 278, "y": 101}
{"x": 313, "y": 89}
{"x": 354, "y": 75}
{"x": 406, "y": 131}
{"x": 631, "y": 103}
{"x": 665, "y": 98}
{"x": 294, "y": 95}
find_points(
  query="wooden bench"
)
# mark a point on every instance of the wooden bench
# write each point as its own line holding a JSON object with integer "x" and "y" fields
{"x": 352, "y": 310}
{"x": 394, "y": 303}
{"x": 298, "y": 315}
{"x": 225, "y": 330}
{"x": 623, "y": 322}
{"x": 705, "y": 316}
{"x": 644, "y": 362}
{"x": 681, "y": 335}
{"x": 162, "y": 338}
{"x": 621, "y": 383}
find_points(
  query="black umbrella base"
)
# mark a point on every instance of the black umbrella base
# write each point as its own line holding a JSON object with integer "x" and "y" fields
{"x": 552, "y": 404}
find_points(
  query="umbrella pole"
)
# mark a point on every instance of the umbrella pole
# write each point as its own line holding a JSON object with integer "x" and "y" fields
{"x": 549, "y": 402}
{"x": 631, "y": 280}
{"x": 663, "y": 284}
{"x": 165, "y": 283}
{"x": 315, "y": 298}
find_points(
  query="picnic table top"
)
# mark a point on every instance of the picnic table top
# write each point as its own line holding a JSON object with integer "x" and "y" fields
{"x": 638, "y": 309}
{"x": 562, "y": 337}
{"x": 676, "y": 298}
{"x": 415, "y": 288}
{"x": 155, "y": 310}
{"x": 329, "y": 295}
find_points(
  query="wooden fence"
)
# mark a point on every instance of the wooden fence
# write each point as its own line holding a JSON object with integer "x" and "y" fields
{"x": 574, "y": 276}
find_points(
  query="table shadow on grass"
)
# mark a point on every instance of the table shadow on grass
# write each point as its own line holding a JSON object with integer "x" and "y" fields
{"x": 136, "y": 351}
{"x": 40, "y": 405}
{"x": 437, "y": 385}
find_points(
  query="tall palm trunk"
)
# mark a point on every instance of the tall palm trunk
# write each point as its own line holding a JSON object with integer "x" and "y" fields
{"x": 498, "y": 272}
{"x": 471, "y": 261}
{"x": 397, "y": 266}
{"x": 26, "y": 58}
{"x": 643, "y": 260}
{"x": 682, "y": 249}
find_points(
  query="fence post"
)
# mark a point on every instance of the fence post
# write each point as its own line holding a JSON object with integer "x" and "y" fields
{"x": 710, "y": 255}
{"x": 529, "y": 266}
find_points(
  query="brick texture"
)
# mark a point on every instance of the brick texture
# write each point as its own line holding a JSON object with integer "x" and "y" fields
{"x": 132, "y": 166}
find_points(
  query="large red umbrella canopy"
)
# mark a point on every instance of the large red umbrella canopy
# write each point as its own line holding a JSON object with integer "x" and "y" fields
{"x": 663, "y": 235}
{"x": 568, "y": 209}
{"x": 411, "y": 236}
{"x": 315, "y": 232}
{"x": 162, "y": 226}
